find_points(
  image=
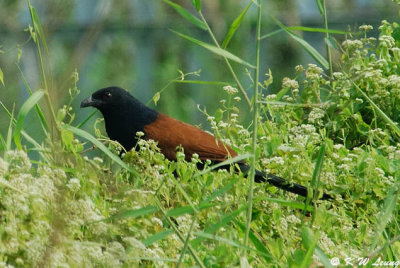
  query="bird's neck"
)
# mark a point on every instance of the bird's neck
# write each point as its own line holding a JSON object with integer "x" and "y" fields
{"x": 123, "y": 122}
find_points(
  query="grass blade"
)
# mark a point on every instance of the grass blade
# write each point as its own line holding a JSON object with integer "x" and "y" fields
{"x": 218, "y": 83}
{"x": 309, "y": 242}
{"x": 87, "y": 119}
{"x": 379, "y": 111}
{"x": 224, "y": 163}
{"x": 254, "y": 135}
{"x": 322, "y": 257}
{"x": 179, "y": 234}
{"x": 2, "y": 77}
{"x": 312, "y": 51}
{"x": 158, "y": 236}
{"x": 213, "y": 228}
{"x": 187, "y": 15}
{"x": 37, "y": 107}
{"x": 320, "y": 6}
{"x": 9, "y": 135}
{"x": 26, "y": 107}
{"x": 104, "y": 149}
{"x": 3, "y": 143}
{"x": 175, "y": 212}
{"x": 258, "y": 244}
{"x": 37, "y": 25}
{"x": 387, "y": 211}
{"x": 292, "y": 204}
{"x": 317, "y": 30}
{"x": 221, "y": 191}
{"x": 223, "y": 240}
{"x": 133, "y": 213}
{"x": 216, "y": 50}
{"x": 315, "y": 179}
{"x": 331, "y": 42}
{"x": 271, "y": 34}
{"x": 197, "y": 4}
{"x": 234, "y": 26}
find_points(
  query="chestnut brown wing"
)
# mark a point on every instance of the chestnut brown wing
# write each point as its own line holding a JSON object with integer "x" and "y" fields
{"x": 170, "y": 133}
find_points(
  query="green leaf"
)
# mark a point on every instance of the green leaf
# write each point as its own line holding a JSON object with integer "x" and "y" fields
{"x": 224, "y": 163}
{"x": 223, "y": 240}
{"x": 197, "y": 4}
{"x": 156, "y": 97}
{"x": 318, "y": 30}
{"x": 158, "y": 236}
{"x": 37, "y": 107}
{"x": 322, "y": 257}
{"x": 87, "y": 119}
{"x": 292, "y": 204}
{"x": 221, "y": 191}
{"x": 218, "y": 83}
{"x": 26, "y": 107}
{"x": 187, "y": 15}
{"x": 214, "y": 227}
{"x": 244, "y": 262}
{"x": 37, "y": 25}
{"x": 320, "y": 5}
{"x": 387, "y": 211}
{"x": 259, "y": 245}
{"x": 104, "y": 149}
{"x": 23, "y": 133}
{"x": 133, "y": 213}
{"x": 9, "y": 135}
{"x": 318, "y": 167}
{"x": 331, "y": 42}
{"x": 271, "y": 34}
{"x": 309, "y": 242}
{"x": 234, "y": 26}
{"x": 384, "y": 116}
{"x": 312, "y": 51}
{"x": 216, "y": 50}
{"x": 175, "y": 212}
{"x": 1, "y": 77}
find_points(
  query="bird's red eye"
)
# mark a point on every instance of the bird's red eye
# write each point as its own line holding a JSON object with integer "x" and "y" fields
{"x": 107, "y": 95}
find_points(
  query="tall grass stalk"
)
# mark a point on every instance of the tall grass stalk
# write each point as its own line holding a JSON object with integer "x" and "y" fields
{"x": 178, "y": 233}
{"x": 255, "y": 126}
{"x": 39, "y": 37}
{"x": 226, "y": 61}
{"x": 328, "y": 49}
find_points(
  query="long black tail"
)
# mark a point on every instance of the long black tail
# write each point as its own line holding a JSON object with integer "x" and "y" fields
{"x": 280, "y": 183}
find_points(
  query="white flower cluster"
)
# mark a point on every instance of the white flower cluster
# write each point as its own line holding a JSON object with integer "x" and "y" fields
{"x": 316, "y": 115}
{"x": 352, "y": 44}
{"x": 301, "y": 135}
{"x": 386, "y": 41}
{"x": 313, "y": 71}
{"x": 230, "y": 90}
{"x": 290, "y": 83}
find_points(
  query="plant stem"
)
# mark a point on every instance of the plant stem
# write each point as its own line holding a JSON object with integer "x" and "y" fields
{"x": 226, "y": 61}
{"x": 255, "y": 126}
{"x": 328, "y": 50}
{"x": 179, "y": 234}
{"x": 43, "y": 73}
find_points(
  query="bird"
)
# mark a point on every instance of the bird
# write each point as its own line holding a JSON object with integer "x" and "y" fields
{"x": 125, "y": 116}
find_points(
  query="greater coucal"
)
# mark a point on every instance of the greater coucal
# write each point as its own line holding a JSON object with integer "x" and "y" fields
{"x": 124, "y": 116}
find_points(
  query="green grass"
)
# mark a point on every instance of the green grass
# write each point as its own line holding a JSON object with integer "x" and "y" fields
{"x": 334, "y": 132}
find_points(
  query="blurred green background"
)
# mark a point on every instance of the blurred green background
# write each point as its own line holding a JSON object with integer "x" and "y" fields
{"x": 127, "y": 43}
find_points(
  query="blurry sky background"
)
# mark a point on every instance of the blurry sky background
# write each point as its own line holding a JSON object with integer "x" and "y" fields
{"x": 127, "y": 43}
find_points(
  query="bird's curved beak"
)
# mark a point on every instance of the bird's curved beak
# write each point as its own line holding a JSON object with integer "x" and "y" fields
{"x": 88, "y": 102}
